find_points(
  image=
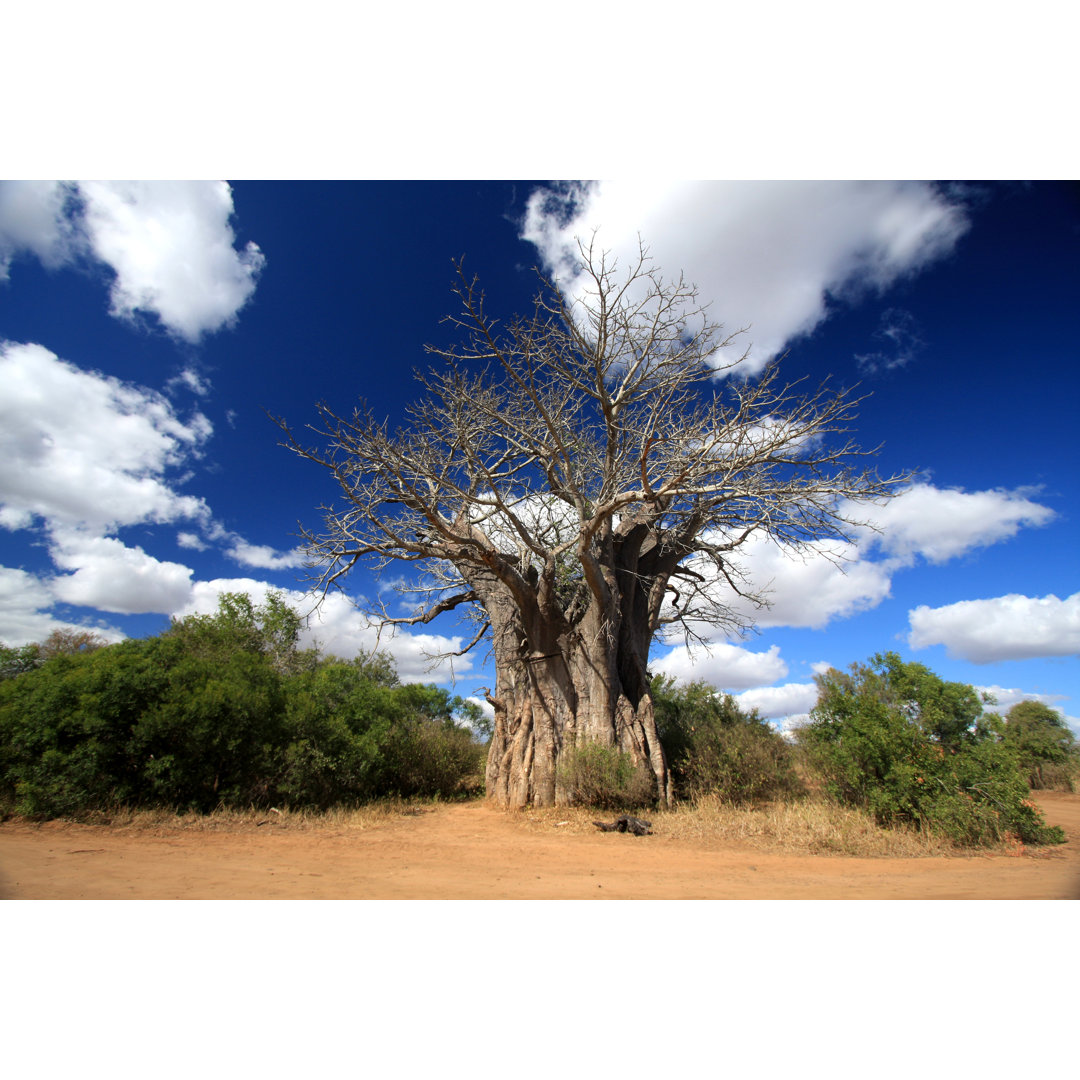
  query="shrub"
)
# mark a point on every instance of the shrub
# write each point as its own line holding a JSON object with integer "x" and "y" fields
{"x": 66, "y": 726}
{"x": 436, "y": 758}
{"x": 223, "y": 710}
{"x": 212, "y": 738}
{"x": 604, "y": 777}
{"x": 337, "y": 722}
{"x": 428, "y": 753}
{"x": 714, "y": 747}
{"x": 743, "y": 763}
{"x": 869, "y": 744}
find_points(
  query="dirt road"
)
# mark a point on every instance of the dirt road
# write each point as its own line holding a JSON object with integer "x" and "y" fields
{"x": 470, "y": 852}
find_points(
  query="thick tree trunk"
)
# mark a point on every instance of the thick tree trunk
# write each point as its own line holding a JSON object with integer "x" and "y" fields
{"x": 578, "y": 688}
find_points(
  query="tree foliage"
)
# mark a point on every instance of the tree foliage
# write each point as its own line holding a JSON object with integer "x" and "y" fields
{"x": 715, "y": 747}
{"x": 225, "y": 710}
{"x": 271, "y": 629}
{"x": 66, "y": 641}
{"x": 1044, "y": 746}
{"x": 897, "y": 740}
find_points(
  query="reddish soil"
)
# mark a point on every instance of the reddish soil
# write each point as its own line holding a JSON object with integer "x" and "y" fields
{"x": 471, "y": 851}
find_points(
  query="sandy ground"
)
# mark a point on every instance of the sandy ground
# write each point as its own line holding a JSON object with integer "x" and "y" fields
{"x": 473, "y": 852}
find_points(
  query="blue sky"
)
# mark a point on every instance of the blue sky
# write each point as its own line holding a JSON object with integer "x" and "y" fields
{"x": 148, "y": 328}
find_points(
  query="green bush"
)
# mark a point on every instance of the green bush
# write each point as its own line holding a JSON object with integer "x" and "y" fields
{"x": 743, "y": 763}
{"x": 882, "y": 737}
{"x": 223, "y": 710}
{"x": 337, "y": 723}
{"x": 211, "y": 740}
{"x": 1045, "y": 747}
{"x": 66, "y": 728}
{"x": 428, "y": 753}
{"x": 714, "y": 747}
{"x": 605, "y": 777}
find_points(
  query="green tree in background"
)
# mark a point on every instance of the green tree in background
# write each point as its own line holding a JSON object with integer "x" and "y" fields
{"x": 17, "y": 659}
{"x": 14, "y": 660}
{"x": 1044, "y": 745}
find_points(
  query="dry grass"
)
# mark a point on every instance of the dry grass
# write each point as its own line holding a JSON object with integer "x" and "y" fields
{"x": 339, "y": 819}
{"x": 807, "y": 827}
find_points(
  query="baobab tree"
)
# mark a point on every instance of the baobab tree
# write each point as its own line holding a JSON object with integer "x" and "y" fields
{"x": 577, "y": 483}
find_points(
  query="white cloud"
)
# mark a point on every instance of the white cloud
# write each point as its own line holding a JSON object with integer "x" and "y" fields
{"x": 204, "y": 595}
{"x": 35, "y": 218}
{"x": 1009, "y": 627}
{"x": 22, "y": 600}
{"x": 774, "y": 702}
{"x": 831, "y": 580}
{"x": 79, "y": 448}
{"x": 725, "y": 666}
{"x": 110, "y": 576}
{"x": 191, "y": 380}
{"x": 1006, "y": 697}
{"x": 340, "y": 629}
{"x": 768, "y": 255}
{"x": 941, "y": 523}
{"x": 24, "y": 617}
{"x": 485, "y": 706}
{"x": 172, "y": 249}
{"x": 169, "y": 244}
{"x": 263, "y": 557}
{"x": 899, "y": 334}
{"x": 344, "y": 631}
{"x": 190, "y": 541}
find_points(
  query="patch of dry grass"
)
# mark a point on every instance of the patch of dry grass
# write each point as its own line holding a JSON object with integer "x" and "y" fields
{"x": 810, "y": 826}
{"x": 339, "y": 819}
{"x": 805, "y": 827}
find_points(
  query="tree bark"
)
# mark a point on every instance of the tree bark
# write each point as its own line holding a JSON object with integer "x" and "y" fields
{"x": 559, "y": 687}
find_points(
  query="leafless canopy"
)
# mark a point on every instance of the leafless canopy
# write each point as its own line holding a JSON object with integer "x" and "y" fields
{"x": 585, "y": 446}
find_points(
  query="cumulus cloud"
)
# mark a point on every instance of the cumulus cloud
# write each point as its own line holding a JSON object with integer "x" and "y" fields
{"x": 729, "y": 667}
{"x": 340, "y": 629}
{"x": 83, "y": 455}
{"x": 25, "y": 600}
{"x": 190, "y": 379}
{"x": 485, "y": 706}
{"x": 1005, "y": 697}
{"x": 774, "y": 702}
{"x": 942, "y": 523}
{"x": 169, "y": 245}
{"x": 79, "y": 448}
{"x": 344, "y": 631}
{"x": 768, "y": 255}
{"x": 191, "y": 541}
{"x": 204, "y": 596}
{"x": 827, "y": 580}
{"x": 110, "y": 576}
{"x": 37, "y": 218}
{"x": 263, "y": 557}
{"x": 1012, "y": 627}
